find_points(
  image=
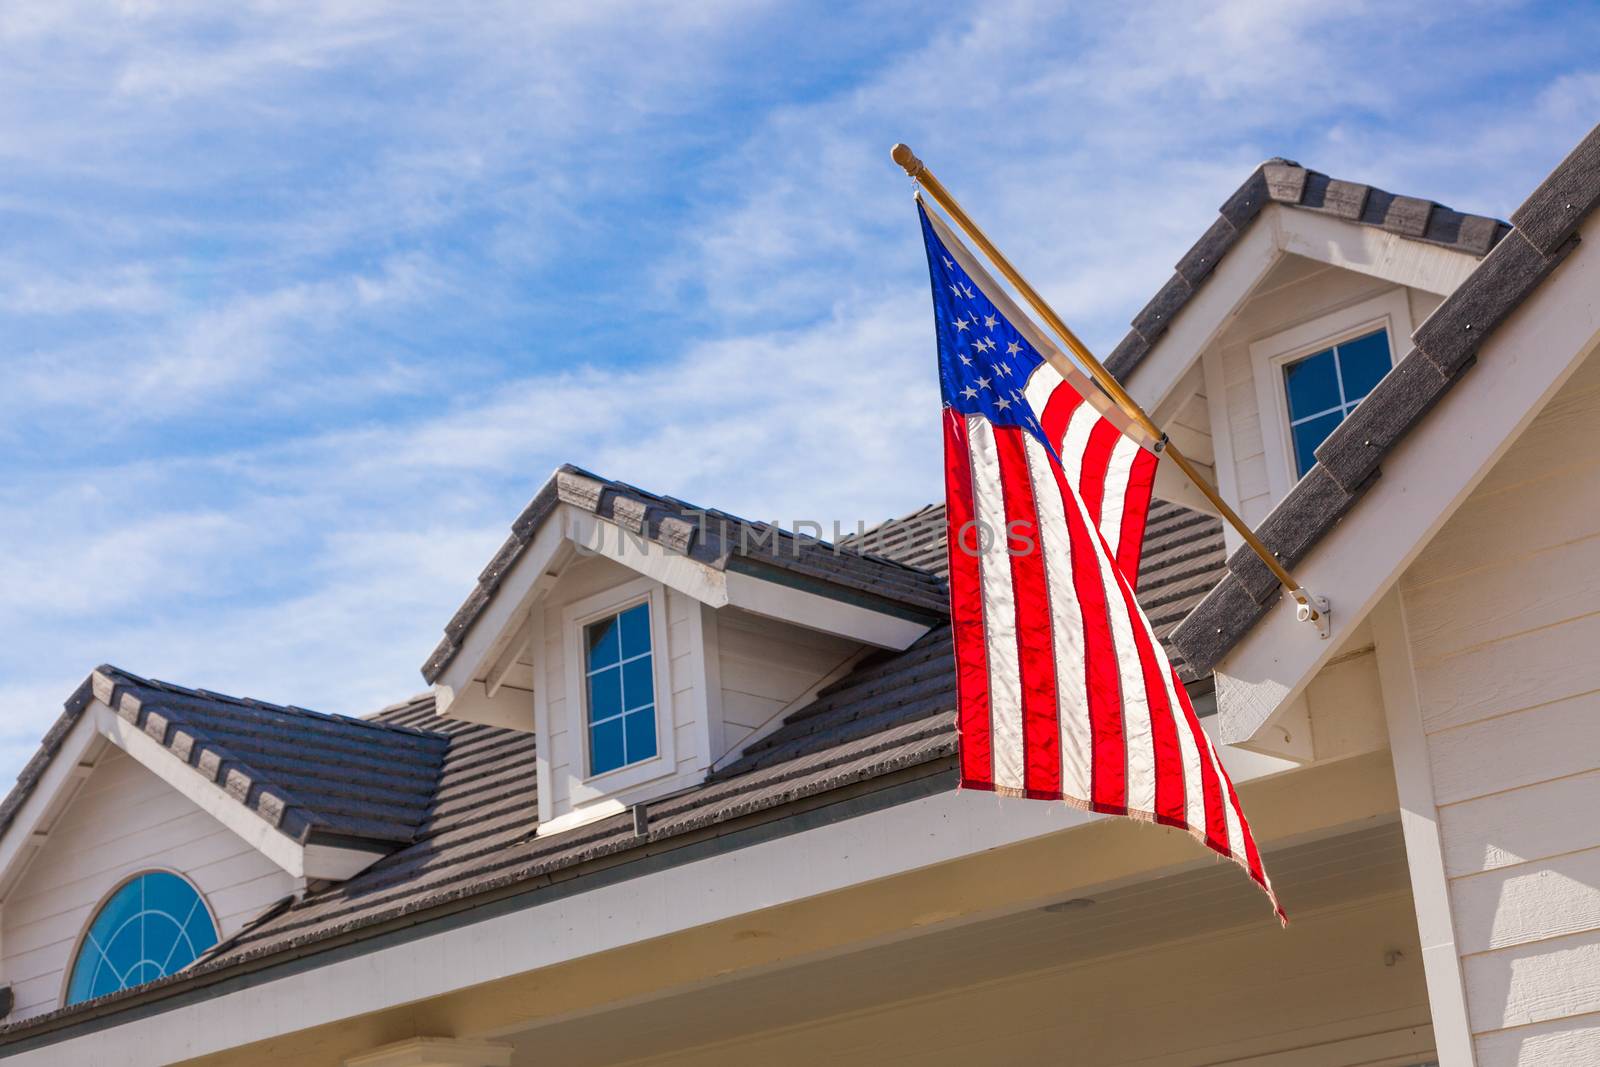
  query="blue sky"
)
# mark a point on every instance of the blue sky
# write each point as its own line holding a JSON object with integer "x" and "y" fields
{"x": 299, "y": 305}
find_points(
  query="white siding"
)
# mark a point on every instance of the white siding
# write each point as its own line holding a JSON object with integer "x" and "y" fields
{"x": 1501, "y": 615}
{"x": 123, "y": 821}
{"x": 766, "y": 666}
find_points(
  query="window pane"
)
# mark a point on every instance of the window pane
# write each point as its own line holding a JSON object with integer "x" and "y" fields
{"x": 1363, "y": 362}
{"x": 641, "y": 734}
{"x": 605, "y": 747}
{"x": 601, "y": 640}
{"x": 1308, "y": 435}
{"x": 152, "y": 927}
{"x": 638, "y": 683}
{"x": 636, "y": 630}
{"x": 1312, "y": 384}
{"x": 605, "y": 694}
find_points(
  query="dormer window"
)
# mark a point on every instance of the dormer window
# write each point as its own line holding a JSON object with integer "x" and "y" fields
{"x": 620, "y": 688}
{"x": 1324, "y": 387}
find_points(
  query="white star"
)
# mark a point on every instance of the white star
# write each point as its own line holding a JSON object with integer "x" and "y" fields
{"x": 970, "y": 393}
{"x": 961, "y": 324}
{"x": 956, "y": 289}
{"x": 1002, "y": 403}
{"x": 965, "y": 359}
{"x": 1005, "y": 368}
{"x": 999, "y": 369}
{"x": 983, "y": 383}
{"x": 989, "y": 321}
{"x": 968, "y": 288}
{"x": 1013, "y": 348}
{"x": 947, "y": 264}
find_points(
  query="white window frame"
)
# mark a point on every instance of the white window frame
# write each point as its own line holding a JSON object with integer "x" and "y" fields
{"x": 1389, "y": 311}
{"x": 586, "y": 787}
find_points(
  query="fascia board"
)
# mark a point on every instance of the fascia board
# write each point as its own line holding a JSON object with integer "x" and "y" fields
{"x": 825, "y": 614}
{"x": 15, "y": 849}
{"x": 1427, "y": 476}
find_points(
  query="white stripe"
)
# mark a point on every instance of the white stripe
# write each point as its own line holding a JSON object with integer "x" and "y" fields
{"x": 1066, "y": 614}
{"x": 1141, "y": 792}
{"x": 1194, "y": 788}
{"x": 999, "y": 607}
{"x": 1118, "y": 471}
{"x": 1074, "y": 442}
{"x": 1042, "y": 384}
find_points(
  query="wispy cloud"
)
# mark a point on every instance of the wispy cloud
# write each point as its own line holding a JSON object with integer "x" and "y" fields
{"x": 298, "y": 305}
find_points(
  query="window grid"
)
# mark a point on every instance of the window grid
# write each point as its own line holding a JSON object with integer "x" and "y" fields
{"x": 137, "y": 936}
{"x": 634, "y": 712}
{"x": 1342, "y": 408}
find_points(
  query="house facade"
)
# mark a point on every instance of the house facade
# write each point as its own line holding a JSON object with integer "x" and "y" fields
{"x": 681, "y": 789}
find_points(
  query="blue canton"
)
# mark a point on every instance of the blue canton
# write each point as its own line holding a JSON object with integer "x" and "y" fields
{"x": 984, "y": 362}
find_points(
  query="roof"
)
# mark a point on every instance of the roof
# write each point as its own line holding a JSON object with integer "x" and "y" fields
{"x": 715, "y": 538}
{"x": 1445, "y": 347}
{"x": 1283, "y": 181}
{"x": 308, "y": 775}
{"x": 476, "y": 833}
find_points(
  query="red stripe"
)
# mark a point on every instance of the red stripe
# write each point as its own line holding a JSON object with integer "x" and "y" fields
{"x": 1135, "y": 510}
{"x": 1096, "y": 458}
{"x": 966, "y": 610}
{"x": 1108, "y": 765}
{"x": 1216, "y": 827}
{"x": 1064, "y": 400}
{"x": 1041, "y": 727}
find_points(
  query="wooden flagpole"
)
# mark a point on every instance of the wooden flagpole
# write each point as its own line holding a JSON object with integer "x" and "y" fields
{"x": 1311, "y": 608}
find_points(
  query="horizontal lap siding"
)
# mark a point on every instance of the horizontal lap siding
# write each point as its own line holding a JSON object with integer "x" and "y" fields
{"x": 1501, "y": 611}
{"x": 124, "y": 821}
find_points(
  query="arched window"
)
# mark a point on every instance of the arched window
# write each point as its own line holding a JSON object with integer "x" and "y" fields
{"x": 154, "y": 925}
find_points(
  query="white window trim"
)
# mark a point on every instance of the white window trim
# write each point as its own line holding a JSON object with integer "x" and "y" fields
{"x": 586, "y": 788}
{"x": 1390, "y": 311}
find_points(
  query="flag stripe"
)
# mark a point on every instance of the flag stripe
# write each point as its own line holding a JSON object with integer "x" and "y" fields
{"x": 966, "y": 610}
{"x": 1041, "y": 729}
{"x": 1113, "y": 516}
{"x": 999, "y": 607}
{"x": 1067, "y": 623}
{"x": 1135, "y": 506}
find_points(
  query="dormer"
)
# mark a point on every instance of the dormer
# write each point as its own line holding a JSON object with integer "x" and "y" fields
{"x": 1282, "y": 317}
{"x": 646, "y": 642}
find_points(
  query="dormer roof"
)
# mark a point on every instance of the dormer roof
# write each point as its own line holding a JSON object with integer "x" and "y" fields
{"x": 1283, "y": 181}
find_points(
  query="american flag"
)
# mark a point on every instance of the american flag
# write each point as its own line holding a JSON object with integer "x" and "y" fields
{"x": 1063, "y": 690}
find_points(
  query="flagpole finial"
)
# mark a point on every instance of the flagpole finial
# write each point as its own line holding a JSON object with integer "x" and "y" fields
{"x": 907, "y": 159}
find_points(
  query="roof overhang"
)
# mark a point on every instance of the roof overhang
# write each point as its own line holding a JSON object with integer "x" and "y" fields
{"x": 471, "y": 685}
{"x": 1425, "y": 478}
{"x": 89, "y": 728}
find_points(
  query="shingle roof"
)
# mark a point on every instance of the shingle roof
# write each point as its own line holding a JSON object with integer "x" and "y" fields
{"x": 1286, "y": 182}
{"x": 713, "y": 537}
{"x": 1446, "y": 346}
{"x": 307, "y": 774}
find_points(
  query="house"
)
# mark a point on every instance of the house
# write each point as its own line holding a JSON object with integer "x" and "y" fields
{"x": 681, "y": 789}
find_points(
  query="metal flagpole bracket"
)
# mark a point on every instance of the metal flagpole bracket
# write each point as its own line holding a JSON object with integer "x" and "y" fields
{"x": 1312, "y": 608}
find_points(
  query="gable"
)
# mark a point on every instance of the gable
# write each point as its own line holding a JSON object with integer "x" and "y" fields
{"x": 120, "y": 821}
{"x": 1484, "y": 363}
